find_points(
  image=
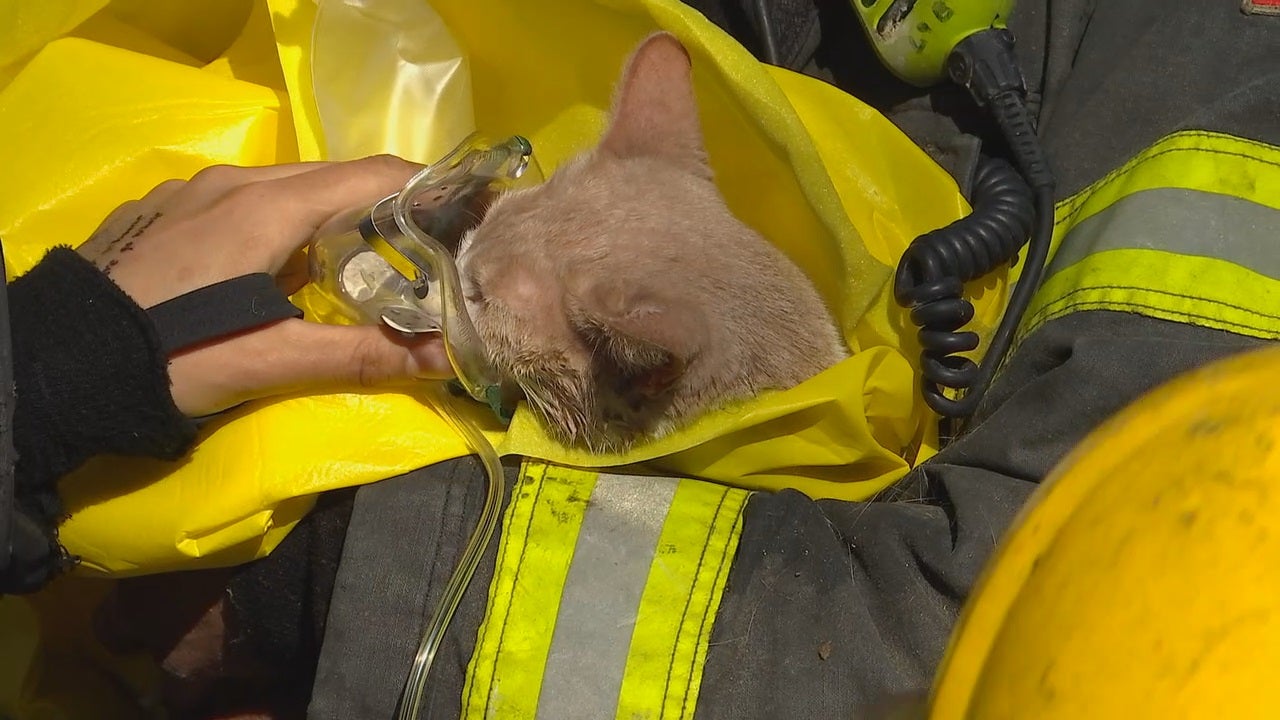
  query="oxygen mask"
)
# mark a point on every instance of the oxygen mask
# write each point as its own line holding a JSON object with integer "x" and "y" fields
{"x": 394, "y": 263}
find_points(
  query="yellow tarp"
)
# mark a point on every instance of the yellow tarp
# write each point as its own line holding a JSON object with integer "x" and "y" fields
{"x": 101, "y": 101}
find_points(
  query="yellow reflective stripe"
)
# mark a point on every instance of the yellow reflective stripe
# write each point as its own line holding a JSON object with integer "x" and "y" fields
{"x": 1191, "y": 160}
{"x": 567, "y": 579}
{"x": 1186, "y": 222}
{"x": 611, "y": 559}
{"x": 1194, "y": 290}
{"x": 681, "y": 599}
{"x": 1219, "y": 273}
{"x": 538, "y": 533}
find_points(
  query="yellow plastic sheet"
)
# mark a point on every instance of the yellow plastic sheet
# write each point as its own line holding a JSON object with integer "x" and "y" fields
{"x": 145, "y": 91}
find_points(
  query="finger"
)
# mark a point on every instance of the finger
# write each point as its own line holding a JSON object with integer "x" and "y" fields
{"x": 296, "y": 355}
{"x": 214, "y": 182}
{"x": 316, "y": 196}
{"x": 287, "y": 212}
{"x": 159, "y": 194}
{"x": 205, "y": 185}
{"x": 217, "y": 179}
{"x": 368, "y": 356}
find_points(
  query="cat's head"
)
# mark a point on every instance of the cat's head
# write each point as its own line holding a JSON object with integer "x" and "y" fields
{"x": 621, "y": 294}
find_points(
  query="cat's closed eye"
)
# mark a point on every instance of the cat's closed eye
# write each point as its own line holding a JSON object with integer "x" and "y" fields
{"x": 472, "y": 292}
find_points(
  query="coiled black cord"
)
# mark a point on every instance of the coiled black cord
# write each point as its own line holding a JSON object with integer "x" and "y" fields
{"x": 933, "y": 270}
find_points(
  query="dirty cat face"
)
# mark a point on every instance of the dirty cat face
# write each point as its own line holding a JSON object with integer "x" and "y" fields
{"x": 622, "y": 296}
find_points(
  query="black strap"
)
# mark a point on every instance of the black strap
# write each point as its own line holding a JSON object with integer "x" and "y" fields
{"x": 225, "y": 308}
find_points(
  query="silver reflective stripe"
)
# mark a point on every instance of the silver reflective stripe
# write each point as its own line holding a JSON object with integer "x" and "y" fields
{"x": 1187, "y": 222}
{"x": 601, "y": 597}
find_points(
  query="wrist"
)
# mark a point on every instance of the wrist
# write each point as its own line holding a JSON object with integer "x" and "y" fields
{"x": 90, "y": 378}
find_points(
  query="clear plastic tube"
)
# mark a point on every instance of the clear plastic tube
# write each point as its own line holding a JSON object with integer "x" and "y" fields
{"x": 420, "y": 73}
{"x": 433, "y": 635}
{"x": 454, "y": 322}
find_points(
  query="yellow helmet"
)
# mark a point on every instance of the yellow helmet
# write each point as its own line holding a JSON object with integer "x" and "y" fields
{"x": 1143, "y": 579}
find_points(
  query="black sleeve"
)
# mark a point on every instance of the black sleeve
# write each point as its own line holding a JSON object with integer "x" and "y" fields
{"x": 90, "y": 378}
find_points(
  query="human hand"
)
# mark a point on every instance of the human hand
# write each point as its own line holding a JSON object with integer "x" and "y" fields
{"x": 185, "y": 622}
{"x": 231, "y": 221}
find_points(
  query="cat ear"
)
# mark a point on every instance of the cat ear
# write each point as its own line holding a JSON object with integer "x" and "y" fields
{"x": 655, "y": 112}
{"x": 641, "y": 345}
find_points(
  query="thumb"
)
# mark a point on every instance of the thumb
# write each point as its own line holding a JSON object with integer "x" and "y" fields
{"x": 313, "y": 354}
{"x": 294, "y": 356}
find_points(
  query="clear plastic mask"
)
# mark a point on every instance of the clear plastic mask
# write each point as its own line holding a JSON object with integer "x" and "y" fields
{"x": 393, "y": 264}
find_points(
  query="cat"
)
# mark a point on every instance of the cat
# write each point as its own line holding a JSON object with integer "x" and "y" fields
{"x": 622, "y": 296}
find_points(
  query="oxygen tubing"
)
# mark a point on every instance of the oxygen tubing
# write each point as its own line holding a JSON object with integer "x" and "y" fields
{"x": 433, "y": 636}
{"x": 453, "y": 319}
